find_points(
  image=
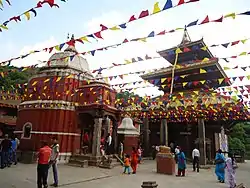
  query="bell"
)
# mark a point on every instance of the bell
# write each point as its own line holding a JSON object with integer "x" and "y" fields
{"x": 127, "y": 127}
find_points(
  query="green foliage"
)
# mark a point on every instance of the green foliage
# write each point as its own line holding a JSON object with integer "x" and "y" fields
{"x": 14, "y": 76}
{"x": 239, "y": 138}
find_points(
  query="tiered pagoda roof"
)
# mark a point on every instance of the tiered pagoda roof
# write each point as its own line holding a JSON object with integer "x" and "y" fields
{"x": 194, "y": 57}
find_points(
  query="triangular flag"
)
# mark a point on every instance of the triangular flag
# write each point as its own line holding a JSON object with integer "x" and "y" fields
{"x": 156, "y": 8}
{"x": 114, "y": 28}
{"x": 168, "y": 5}
{"x": 163, "y": 80}
{"x": 232, "y": 15}
{"x": 178, "y": 50}
{"x": 84, "y": 38}
{"x": 27, "y": 14}
{"x": 206, "y": 20}
{"x": 202, "y": 71}
{"x": 34, "y": 83}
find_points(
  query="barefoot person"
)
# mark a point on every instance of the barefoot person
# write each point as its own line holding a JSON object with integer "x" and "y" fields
{"x": 44, "y": 155}
{"x": 53, "y": 160}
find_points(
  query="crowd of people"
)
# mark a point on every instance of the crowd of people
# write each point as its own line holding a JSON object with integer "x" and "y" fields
{"x": 8, "y": 150}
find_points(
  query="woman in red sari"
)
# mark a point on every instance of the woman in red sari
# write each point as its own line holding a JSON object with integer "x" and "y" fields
{"x": 134, "y": 160}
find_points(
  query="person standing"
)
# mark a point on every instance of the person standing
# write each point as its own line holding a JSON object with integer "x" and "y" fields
{"x": 121, "y": 150}
{"x": 5, "y": 148}
{"x": 220, "y": 166}
{"x": 196, "y": 159}
{"x": 176, "y": 152}
{"x": 53, "y": 160}
{"x": 139, "y": 151}
{"x": 44, "y": 155}
{"x": 181, "y": 160}
{"x": 134, "y": 160}
{"x": 14, "y": 150}
{"x": 109, "y": 142}
{"x": 231, "y": 171}
{"x": 126, "y": 164}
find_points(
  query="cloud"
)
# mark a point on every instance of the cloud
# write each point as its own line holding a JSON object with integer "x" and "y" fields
{"x": 37, "y": 57}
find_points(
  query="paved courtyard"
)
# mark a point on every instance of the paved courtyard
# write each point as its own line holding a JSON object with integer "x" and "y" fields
{"x": 24, "y": 176}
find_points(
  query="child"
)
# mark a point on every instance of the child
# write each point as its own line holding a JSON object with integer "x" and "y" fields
{"x": 127, "y": 164}
{"x": 139, "y": 151}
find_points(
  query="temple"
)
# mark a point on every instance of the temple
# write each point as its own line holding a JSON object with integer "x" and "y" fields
{"x": 180, "y": 116}
{"x": 65, "y": 100}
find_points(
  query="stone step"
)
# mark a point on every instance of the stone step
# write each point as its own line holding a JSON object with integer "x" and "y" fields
{"x": 80, "y": 163}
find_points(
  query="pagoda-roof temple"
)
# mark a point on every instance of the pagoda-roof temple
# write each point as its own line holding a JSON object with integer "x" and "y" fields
{"x": 194, "y": 57}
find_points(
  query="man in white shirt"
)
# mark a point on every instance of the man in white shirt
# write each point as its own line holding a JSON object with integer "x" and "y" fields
{"x": 196, "y": 159}
{"x": 53, "y": 160}
{"x": 109, "y": 142}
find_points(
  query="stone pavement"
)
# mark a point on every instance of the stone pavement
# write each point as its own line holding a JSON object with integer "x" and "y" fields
{"x": 24, "y": 176}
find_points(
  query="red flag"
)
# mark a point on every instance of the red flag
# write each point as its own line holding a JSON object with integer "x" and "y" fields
{"x": 132, "y": 18}
{"x": 206, "y": 20}
{"x": 144, "y": 14}
{"x": 218, "y": 20}
{"x": 103, "y": 27}
{"x": 235, "y": 42}
{"x": 181, "y": 2}
{"x": 98, "y": 35}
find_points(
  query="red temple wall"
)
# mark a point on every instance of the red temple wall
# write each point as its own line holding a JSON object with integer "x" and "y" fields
{"x": 47, "y": 123}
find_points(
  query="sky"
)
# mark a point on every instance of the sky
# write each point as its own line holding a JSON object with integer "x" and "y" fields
{"x": 79, "y": 17}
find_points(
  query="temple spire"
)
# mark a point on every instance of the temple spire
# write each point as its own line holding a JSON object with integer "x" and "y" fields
{"x": 71, "y": 44}
{"x": 186, "y": 38}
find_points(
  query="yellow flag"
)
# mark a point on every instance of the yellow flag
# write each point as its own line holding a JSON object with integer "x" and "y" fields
{"x": 202, "y": 81}
{"x": 243, "y": 53}
{"x": 84, "y": 38}
{"x": 156, "y": 8}
{"x": 127, "y": 61}
{"x": 178, "y": 50}
{"x": 163, "y": 86}
{"x": 248, "y": 77}
{"x": 81, "y": 94}
{"x": 226, "y": 68}
{"x": 205, "y": 60}
{"x": 70, "y": 76}
{"x": 4, "y": 27}
{"x": 57, "y": 48}
{"x": 184, "y": 84}
{"x": 45, "y": 87}
{"x": 243, "y": 41}
{"x": 1, "y": 3}
{"x": 67, "y": 92}
{"x": 232, "y": 15}
{"x": 163, "y": 80}
{"x": 46, "y": 80}
{"x": 220, "y": 80}
{"x": 34, "y": 83}
{"x": 114, "y": 28}
{"x": 202, "y": 71}
{"x": 2, "y": 74}
{"x": 58, "y": 79}
{"x": 204, "y": 48}
{"x": 27, "y": 14}
{"x": 143, "y": 39}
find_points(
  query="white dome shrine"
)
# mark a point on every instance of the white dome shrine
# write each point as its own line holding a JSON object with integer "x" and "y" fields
{"x": 127, "y": 127}
{"x": 75, "y": 61}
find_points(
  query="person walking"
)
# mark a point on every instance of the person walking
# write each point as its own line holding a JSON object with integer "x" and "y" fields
{"x": 134, "y": 160}
{"x": 220, "y": 166}
{"x": 126, "y": 164}
{"x": 109, "y": 142}
{"x": 44, "y": 155}
{"x": 196, "y": 159}
{"x": 231, "y": 167}
{"x": 53, "y": 160}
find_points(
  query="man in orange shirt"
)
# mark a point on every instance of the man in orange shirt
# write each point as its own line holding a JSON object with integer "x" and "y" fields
{"x": 44, "y": 155}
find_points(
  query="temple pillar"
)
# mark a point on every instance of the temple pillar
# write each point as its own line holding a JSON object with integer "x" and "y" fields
{"x": 97, "y": 137}
{"x": 164, "y": 132}
{"x": 202, "y": 141}
{"x": 115, "y": 136}
{"x": 146, "y": 136}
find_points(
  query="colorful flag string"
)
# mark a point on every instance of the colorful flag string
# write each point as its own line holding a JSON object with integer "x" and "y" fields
{"x": 27, "y": 13}
{"x": 143, "y": 39}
